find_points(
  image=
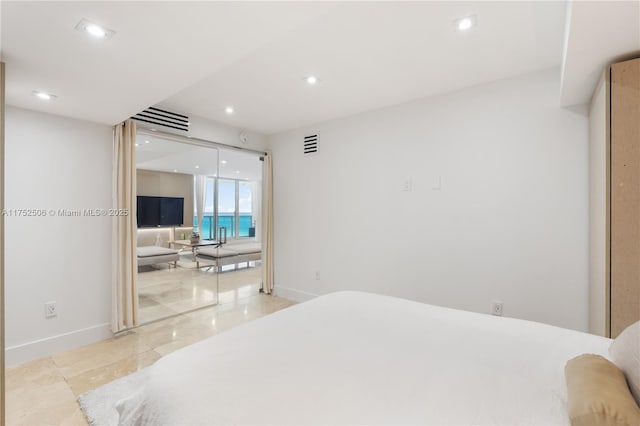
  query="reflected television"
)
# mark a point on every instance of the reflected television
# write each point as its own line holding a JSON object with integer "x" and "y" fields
{"x": 159, "y": 211}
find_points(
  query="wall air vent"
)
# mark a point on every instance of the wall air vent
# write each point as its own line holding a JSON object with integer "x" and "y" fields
{"x": 310, "y": 146}
{"x": 161, "y": 118}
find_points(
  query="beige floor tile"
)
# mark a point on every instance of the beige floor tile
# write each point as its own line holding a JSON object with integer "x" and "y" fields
{"x": 32, "y": 374}
{"x": 54, "y": 403}
{"x": 225, "y": 320}
{"x": 180, "y": 342}
{"x": 65, "y": 414}
{"x": 85, "y": 358}
{"x": 163, "y": 334}
{"x": 75, "y": 419}
{"x": 100, "y": 376}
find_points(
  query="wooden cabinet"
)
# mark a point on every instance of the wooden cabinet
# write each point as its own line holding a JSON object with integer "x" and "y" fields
{"x": 614, "y": 185}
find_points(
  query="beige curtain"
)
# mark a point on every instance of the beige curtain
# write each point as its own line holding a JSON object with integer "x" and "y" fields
{"x": 267, "y": 224}
{"x": 124, "y": 273}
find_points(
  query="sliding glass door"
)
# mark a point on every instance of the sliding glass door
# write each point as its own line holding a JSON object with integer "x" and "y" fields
{"x": 246, "y": 220}
{"x": 239, "y": 185}
{"x": 227, "y": 198}
{"x": 229, "y": 204}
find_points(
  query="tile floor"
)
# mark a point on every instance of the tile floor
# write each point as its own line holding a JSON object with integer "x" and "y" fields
{"x": 44, "y": 392}
{"x": 165, "y": 291}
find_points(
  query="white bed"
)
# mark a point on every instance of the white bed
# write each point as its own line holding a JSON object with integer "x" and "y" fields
{"x": 359, "y": 358}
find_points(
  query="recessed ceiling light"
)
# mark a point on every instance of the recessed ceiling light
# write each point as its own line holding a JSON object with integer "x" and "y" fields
{"x": 215, "y": 174}
{"x": 223, "y": 161}
{"x": 137, "y": 144}
{"x": 197, "y": 167}
{"x": 94, "y": 30}
{"x": 228, "y": 110}
{"x": 237, "y": 171}
{"x": 175, "y": 170}
{"x": 146, "y": 142}
{"x": 43, "y": 95}
{"x": 311, "y": 80}
{"x": 466, "y": 23}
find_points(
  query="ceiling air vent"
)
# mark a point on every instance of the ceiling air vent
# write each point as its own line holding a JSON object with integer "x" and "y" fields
{"x": 310, "y": 144}
{"x": 162, "y": 118}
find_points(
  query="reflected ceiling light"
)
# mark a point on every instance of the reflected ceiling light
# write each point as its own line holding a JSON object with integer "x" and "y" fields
{"x": 146, "y": 142}
{"x": 43, "y": 95}
{"x": 175, "y": 170}
{"x": 311, "y": 80}
{"x": 94, "y": 30}
{"x": 237, "y": 171}
{"x": 465, "y": 23}
{"x": 223, "y": 161}
{"x": 197, "y": 167}
{"x": 137, "y": 144}
{"x": 228, "y": 110}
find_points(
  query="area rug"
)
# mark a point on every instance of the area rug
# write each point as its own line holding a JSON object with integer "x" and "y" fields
{"x": 99, "y": 405}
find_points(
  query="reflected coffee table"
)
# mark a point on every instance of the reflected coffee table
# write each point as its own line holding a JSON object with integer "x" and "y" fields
{"x": 187, "y": 243}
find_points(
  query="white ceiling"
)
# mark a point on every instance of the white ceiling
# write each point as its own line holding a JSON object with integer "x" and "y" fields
{"x": 598, "y": 34}
{"x": 374, "y": 54}
{"x": 155, "y": 153}
{"x": 198, "y": 57}
{"x": 159, "y": 48}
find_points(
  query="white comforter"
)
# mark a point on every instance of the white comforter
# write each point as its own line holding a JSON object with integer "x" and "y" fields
{"x": 358, "y": 358}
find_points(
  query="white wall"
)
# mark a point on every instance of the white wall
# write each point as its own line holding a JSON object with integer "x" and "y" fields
{"x": 509, "y": 222}
{"x": 222, "y": 133}
{"x": 56, "y": 163}
{"x": 599, "y": 220}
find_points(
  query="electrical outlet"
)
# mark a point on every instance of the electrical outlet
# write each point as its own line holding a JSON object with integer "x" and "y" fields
{"x": 496, "y": 308}
{"x": 50, "y": 310}
{"x": 318, "y": 275}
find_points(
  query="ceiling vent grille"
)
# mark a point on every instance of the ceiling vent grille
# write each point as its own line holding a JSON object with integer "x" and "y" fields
{"x": 310, "y": 146}
{"x": 162, "y": 118}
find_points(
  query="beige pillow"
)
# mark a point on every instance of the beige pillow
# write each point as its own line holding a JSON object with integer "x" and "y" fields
{"x": 625, "y": 352}
{"x": 598, "y": 394}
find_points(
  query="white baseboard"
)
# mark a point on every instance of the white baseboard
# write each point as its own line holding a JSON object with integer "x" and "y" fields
{"x": 29, "y": 351}
{"x": 293, "y": 294}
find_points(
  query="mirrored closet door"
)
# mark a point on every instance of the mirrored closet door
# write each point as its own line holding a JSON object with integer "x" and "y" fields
{"x": 175, "y": 200}
{"x": 238, "y": 211}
